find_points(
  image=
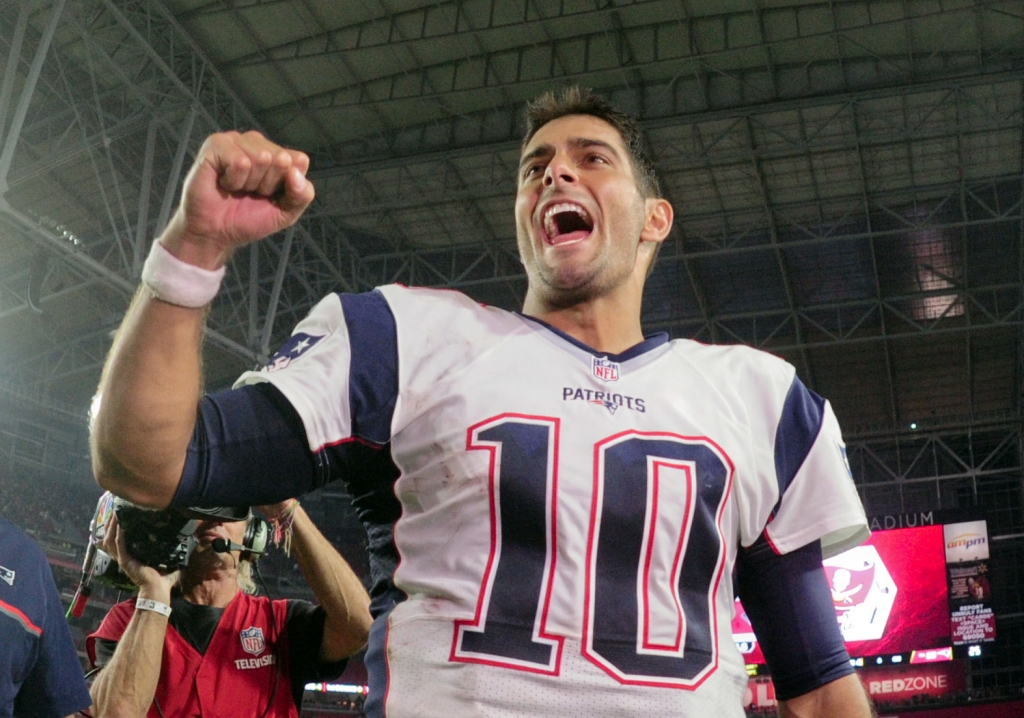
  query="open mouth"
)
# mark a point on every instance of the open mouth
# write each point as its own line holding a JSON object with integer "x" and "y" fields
{"x": 566, "y": 222}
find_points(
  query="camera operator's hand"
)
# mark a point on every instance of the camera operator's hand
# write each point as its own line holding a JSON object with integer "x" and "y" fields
{"x": 152, "y": 584}
{"x": 276, "y": 511}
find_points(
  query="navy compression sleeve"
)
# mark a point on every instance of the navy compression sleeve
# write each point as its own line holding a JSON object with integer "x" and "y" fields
{"x": 788, "y": 601}
{"x": 248, "y": 448}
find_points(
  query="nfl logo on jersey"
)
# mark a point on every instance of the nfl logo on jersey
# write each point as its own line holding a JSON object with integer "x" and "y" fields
{"x": 252, "y": 640}
{"x": 605, "y": 370}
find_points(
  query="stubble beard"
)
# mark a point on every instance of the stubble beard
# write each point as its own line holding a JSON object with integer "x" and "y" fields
{"x": 572, "y": 283}
{"x": 565, "y": 287}
{"x": 575, "y": 283}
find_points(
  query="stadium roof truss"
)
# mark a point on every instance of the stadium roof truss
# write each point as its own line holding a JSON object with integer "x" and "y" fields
{"x": 847, "y": 175}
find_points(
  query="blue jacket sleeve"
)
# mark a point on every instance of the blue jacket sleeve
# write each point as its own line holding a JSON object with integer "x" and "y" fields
{"x": 55, "y": 686}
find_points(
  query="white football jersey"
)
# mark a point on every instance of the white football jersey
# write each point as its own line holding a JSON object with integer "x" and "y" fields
{"x": 569, "y": 521}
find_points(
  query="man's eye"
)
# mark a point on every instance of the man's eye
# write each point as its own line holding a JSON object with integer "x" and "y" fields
{"x": 531, "y": 170}
{"x": 597, "y": 158}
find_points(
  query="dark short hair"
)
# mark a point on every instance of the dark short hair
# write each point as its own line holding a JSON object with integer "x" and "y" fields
{"x": 574, "y": 100}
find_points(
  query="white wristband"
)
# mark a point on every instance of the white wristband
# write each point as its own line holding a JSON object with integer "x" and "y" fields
{"x": 178, "y": 282}
{"x": 148, "y": 604}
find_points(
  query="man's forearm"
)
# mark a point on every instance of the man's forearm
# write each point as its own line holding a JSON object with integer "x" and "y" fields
{"x": 149, "y": 394}
{"x": 335, "y": 586}
{"x": 126, "y": 685}
{"x": 842, "y": 698}
{"x": 241, "y": 188}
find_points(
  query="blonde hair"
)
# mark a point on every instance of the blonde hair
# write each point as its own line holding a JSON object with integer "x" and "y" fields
{"x": 244, "y": 577}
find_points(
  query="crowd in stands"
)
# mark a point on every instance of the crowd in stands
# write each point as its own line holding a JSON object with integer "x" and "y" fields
{"x": 327, "y": 705}
{"x": 48, "y": 508}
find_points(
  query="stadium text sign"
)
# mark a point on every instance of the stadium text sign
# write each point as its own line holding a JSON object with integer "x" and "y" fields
{"x": 897, "y": 683}
{"x": 901, "y": 521}
{"x": 973, "y": 624}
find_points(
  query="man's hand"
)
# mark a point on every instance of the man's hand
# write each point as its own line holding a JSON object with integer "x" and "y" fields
{"x": 242, "y": 188}
{"x": 127, "y": 684}
{"x": 152, "y": 584}
{"x": 336, "y": 587}
{"x": 275, "y": 511}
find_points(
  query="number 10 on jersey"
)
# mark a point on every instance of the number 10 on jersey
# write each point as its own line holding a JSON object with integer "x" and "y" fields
{"x": 655, "y": 554}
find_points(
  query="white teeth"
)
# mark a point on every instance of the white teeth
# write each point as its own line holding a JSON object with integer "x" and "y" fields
{"x": 550, "y": 212}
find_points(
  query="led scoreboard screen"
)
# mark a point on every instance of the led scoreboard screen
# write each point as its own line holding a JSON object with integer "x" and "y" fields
{"x": 889, "y": 594}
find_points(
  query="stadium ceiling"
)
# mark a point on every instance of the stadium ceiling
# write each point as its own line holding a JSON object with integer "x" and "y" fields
{"x": 847, "y": 174}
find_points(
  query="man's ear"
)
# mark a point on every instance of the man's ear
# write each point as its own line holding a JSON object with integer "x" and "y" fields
{"x": 658, "y": 222}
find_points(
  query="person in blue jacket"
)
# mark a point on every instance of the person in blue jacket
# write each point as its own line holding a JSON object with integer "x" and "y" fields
{"x": 40, "y": 674}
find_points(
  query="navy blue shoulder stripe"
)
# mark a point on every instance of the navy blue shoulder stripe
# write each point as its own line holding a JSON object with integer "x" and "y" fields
{"x": 373, "y": 374}
{"x": 799, "y": 427}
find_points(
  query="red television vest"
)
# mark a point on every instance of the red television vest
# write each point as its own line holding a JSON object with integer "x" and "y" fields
{"x": 236, "y": 676}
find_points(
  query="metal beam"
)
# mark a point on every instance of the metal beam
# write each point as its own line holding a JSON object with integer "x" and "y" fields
{"x": 780, "y": 258}
{"x": 362, "y": 155}
{"x": 11, "y": 69}
{"x": 346, "y": 187}
{"x": 158, "y": 77}
{"x": 62, "y": 247}
{"x": 28, "y": 88}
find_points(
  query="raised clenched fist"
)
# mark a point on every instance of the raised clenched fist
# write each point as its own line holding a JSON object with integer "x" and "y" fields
{"x": 242, "y": 188}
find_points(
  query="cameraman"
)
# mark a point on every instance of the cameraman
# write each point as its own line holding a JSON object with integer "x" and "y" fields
{"x": 196, "y": 642}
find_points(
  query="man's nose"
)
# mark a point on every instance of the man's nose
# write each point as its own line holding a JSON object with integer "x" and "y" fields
{"x": 560, "y": 170}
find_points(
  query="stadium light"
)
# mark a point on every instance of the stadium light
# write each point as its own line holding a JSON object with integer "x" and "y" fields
{"x": 337, "y": 688}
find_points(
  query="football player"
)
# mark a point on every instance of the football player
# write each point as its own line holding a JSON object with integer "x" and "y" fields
{"x": 556, "y": 505}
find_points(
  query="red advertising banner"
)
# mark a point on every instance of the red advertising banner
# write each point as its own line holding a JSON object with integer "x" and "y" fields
{"x": 897, "y": 683}
{"x": 760, "y": 693}
{"x": 889, "y": 594}
{"x": 885, "y": 684}
{"x": 1013, "y": 709}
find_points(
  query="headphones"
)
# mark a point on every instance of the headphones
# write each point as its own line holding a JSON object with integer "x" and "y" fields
{"x": 257, "y": 536}
{"x": 257, "y": 531}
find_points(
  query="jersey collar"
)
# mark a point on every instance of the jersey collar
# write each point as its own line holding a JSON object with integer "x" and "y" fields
{"x": 648, "y": 344}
